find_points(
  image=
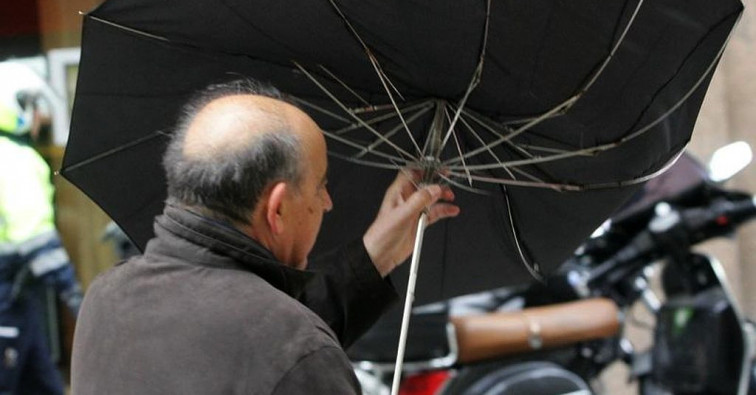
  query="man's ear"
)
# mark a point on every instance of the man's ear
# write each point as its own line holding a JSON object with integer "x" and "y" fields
{"x": 274, "y": 210}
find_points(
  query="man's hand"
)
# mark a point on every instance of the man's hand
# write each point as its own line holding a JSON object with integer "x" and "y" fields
{"x": 391, "y": 237}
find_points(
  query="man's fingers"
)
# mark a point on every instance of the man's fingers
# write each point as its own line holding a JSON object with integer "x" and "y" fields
{"x": 440, "y": 211}
{"x": 403, "y": 186}
{"x": 441, "y": 207}
{"x": 447, "y": 194}
{"x": 427, "y": 198}
{"x": 424, "y": 197}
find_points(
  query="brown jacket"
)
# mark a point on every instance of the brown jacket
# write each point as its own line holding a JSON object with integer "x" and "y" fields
{"x": 206, "y": 310}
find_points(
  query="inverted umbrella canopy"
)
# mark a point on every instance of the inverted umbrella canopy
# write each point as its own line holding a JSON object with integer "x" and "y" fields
{"x": 544, "y": 115}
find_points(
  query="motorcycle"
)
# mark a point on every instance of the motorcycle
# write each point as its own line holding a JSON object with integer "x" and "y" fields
{"x": 560, "y": 336}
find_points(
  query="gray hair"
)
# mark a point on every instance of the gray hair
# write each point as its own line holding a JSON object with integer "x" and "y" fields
{"x": 228, "y": 186}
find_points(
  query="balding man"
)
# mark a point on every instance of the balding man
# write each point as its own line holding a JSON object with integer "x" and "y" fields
{"x": 220, "y": 302}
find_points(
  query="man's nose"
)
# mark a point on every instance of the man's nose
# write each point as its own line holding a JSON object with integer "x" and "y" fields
{"x": 327, "y": 202}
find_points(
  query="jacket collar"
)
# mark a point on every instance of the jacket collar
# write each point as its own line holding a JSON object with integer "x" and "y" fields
{"x": 225, "y": 240}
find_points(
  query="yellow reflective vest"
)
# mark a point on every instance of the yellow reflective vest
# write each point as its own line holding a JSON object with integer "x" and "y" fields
{"x": 26, "y": 193}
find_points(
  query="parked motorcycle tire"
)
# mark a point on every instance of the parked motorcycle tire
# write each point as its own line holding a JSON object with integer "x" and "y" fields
{"x": 531, "y": 378}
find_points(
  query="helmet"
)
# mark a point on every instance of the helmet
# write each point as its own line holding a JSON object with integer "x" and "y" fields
{"x": 19, "y": 85}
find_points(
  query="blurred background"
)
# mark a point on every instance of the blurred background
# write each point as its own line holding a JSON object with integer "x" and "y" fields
{"x": 45, "y": 35}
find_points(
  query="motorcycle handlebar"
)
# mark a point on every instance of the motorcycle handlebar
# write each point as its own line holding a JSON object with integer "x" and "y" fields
{"x": 671, "y": 228}
{"x": 722, "y": 214}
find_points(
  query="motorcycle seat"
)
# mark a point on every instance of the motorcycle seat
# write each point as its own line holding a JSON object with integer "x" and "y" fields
{"x": 486, "y": 336}
{"x": 428, "y": 339}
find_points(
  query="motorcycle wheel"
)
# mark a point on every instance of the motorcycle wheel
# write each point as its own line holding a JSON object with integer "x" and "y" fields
{"x": 532, "y": 378}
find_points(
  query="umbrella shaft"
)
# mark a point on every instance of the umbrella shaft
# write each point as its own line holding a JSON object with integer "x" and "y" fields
{"x": 410, "y": 297}
{"x": 436, "y": 132}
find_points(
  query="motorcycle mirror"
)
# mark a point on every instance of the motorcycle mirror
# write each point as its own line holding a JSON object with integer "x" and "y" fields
{"x": 729, "y": 160}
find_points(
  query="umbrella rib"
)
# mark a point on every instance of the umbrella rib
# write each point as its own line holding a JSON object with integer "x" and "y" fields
{"x": 388, "y": 86}
{"x": 336, "y": 135}
{"x": 384, "y": 80}
{"x": 685, "y": 97}
{"x": 510, "y": 170}
{"x": 423, "y": 107}
{"x": 521, "y": 183}
{"x": 566, "y": 187}
{"x": 613, "y": 50}
{"x": 524, "y": 120}
{"x": 566, "y": 104}
{"x": 379, "y": 107}
{"x": 496, "y": 158}
{"x": 637, "y": 180}
{"x": 361, "y": 147}
{"x": 380, "y": 165}
{"x": 122, "y": 27}
{"x": 320, "y": 109}
{"x": 463, "y": 186}
{"x": 543, "y": 149}
{"x": 605, "y": 147}
{"x": 550, "y": 158}
{"x": 354, "y": 116}
{"x": 527, "y": 175}
{"x": 534, "y": 269}
{"x": 391, "y": 132}
{"x": 344, "y": 85}
{"x": 480, "y": 122}
{"x": 459, "y": 148}
{"x": 112, "y": 151}
{"x": 493, "y": 154}
{"x": 475, "y": 78}
{"x": 360, "y": 40}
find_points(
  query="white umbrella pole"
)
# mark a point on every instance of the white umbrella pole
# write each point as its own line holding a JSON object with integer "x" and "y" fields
{"x": 409, "y": 299}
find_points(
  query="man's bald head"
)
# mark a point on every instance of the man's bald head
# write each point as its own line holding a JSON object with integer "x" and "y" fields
{"x": 231, "y": 142}
{"x": 231, "y": 123}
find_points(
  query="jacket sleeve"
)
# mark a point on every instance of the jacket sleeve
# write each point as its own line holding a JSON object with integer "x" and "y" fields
{"x": 347, "y": 292}
{"x": 46, "y": 260}
{"x": 325, "y": 371}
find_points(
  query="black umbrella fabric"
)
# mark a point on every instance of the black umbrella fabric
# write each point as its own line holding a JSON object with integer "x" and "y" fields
{"x": 544, "y": 115}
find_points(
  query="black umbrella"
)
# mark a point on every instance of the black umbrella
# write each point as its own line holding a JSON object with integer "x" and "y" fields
{"x": 560, "y": 109}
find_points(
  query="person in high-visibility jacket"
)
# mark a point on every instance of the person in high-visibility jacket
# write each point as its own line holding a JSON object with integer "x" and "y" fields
{"x": 31, "y": 254}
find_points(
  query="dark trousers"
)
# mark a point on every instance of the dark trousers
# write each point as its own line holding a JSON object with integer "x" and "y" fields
{"x": 26, "y": 366}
